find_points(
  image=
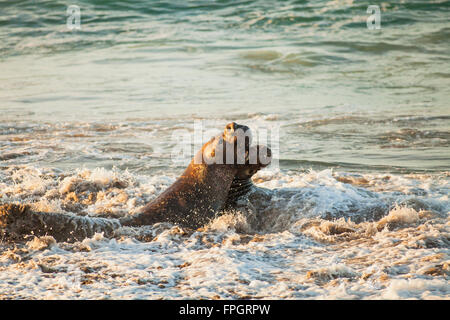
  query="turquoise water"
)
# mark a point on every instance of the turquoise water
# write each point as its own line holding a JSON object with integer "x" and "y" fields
{"x": 342, "y": 95}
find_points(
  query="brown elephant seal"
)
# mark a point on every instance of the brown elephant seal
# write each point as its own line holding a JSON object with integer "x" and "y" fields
{"x": 19, "y": 221}
{"x": 242, "y": 182}
{"x": 225, "y": 163}
{"x": 202, "y": 190}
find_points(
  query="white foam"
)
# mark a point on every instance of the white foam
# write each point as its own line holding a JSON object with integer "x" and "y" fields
{"x": 400, "y": 215}
{"x": 417, "y": 289}
{"x": 308, "y": 246}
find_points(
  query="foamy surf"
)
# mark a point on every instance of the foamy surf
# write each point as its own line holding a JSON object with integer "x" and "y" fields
{"x": 315, "y": 235}
{"x": 89, "y": 120}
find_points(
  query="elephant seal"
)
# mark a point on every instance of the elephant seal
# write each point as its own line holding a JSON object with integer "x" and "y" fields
{"x": 19, "y": 221}
{"x": 202, "y": 190}
{"x": 242, "y": 182}
{"x": 218, "y": 174}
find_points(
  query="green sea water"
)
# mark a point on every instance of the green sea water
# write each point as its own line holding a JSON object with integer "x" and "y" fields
{"x": 341, "y": 94}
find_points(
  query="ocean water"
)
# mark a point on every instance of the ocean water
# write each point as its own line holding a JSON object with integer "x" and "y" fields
{"x": 355, "y": 205}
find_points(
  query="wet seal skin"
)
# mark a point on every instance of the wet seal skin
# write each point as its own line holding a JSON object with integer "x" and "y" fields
{"x": 202, "y": 190}
{"x": 218, "y": 174}
{"x": 19, "y": 221}
{"x": 242, "y": 182}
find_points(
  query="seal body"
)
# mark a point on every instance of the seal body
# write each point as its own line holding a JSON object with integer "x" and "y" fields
{"x": 191, "y": 201}
{"x": 202, "y": 190}
{"x": 19, "y": 221}
{"x": 216, "y": 176}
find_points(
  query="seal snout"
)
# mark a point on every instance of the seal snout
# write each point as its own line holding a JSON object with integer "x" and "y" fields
{"x": 237, "y": 133}
{"x": 233, "y": 126}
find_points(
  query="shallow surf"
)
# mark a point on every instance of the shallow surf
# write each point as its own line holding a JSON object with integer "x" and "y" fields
{"x": 355, "y": 205}
{"x": 318, "y": 234}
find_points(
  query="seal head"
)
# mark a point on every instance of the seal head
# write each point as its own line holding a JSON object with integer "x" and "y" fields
{"x": 259, "y": 157}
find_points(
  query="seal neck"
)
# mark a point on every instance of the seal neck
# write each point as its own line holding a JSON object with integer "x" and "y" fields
{"x": 239, "y": 188}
